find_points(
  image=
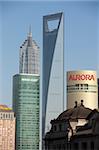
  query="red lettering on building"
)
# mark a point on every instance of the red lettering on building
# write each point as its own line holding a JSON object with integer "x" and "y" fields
{"x": 81, "y": 77}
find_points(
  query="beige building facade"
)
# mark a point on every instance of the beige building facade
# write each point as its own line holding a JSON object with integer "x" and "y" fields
{"x": 82, "y": 85}
{"x": 7, "y": 128}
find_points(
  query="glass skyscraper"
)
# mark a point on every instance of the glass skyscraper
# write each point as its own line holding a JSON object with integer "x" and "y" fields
{"x": 52, "y": 69}
{"x": 26, "y": 104}
{"x": 26, "y": 108}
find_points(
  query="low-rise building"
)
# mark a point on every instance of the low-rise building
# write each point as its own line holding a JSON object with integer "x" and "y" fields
{"x": 65, "y": 127}
{"x": 87, "y": 136}
{"x": 7, "y": 128}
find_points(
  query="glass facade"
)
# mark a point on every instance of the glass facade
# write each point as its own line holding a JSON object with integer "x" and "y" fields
{"x": 53, "y": 69}
{"x": 26, "y": 108}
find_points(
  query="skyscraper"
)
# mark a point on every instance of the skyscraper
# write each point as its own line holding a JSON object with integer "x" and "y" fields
{"x": 29, "y": 56}
{"x": 7, "y": 128}
{"x": 26, "y": 96}
{"x": 53, "y": 69}
{"x": 26, "y": 108}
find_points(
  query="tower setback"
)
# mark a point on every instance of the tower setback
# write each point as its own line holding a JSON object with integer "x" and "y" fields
{"x": 29, "y": 56}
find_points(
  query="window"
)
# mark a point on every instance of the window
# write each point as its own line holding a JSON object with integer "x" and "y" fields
{"x": 60, "y": 127}
{"x": 3, "y": 115}
{"x": 92, "y": 146}
{"x": 76, "y": 146}
{"x": 55, "y": 128}
{"x": 81, "y": 86}
{"x": 84, "y": 146}
{"x": 77, "y": 86}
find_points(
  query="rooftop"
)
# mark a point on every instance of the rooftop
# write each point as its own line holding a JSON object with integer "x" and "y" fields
{"x": 78, "y": 112}
{"x": 4, "y": 108}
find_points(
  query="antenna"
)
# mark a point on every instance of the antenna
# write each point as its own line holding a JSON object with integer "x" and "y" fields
{"x": 30, "y": 32}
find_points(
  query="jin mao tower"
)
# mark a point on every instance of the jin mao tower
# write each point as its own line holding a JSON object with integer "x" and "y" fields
{"x": 26, "y": 96}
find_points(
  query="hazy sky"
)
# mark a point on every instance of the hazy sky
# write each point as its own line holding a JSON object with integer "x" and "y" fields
{"x": 81, "y": 36}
